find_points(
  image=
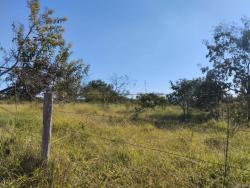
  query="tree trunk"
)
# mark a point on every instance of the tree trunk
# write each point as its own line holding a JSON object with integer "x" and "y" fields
{"x": 248, "y": 107}
{"x": 47, "y": 125}
{"x": 187, "y": 108}
{"x": 183, "y": 109}
{"x": 248, "y": 93}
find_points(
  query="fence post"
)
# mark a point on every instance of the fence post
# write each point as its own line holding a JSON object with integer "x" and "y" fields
{"x": 226, "y": 169}
{"x": 47, "y": 124}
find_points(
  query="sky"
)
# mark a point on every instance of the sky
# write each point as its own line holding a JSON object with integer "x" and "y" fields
{"x": 151, "y": 41}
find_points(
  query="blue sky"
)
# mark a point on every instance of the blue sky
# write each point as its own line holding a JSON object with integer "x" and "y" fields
{"x": 152, "y": 40}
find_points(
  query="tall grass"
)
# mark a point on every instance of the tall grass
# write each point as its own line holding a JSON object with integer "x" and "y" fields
{"x": 101, "y": 146}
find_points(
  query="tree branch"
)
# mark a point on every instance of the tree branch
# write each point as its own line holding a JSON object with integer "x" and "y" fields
{"x": 18, "y": 53}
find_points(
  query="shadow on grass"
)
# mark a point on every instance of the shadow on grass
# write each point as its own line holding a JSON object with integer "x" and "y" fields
{"x": 26, "y": 167}
{"x": 30, "y": 163}
{"x": 199, "y": 122}
{"x": 32, "y": 171}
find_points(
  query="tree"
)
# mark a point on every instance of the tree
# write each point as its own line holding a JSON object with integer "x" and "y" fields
{"x": 229, "y": 53}
{"x": 70, "y": 86}
{"x": 151, "y": 100}
{"x": 183, "y": 94}
{"x": 40, "y": 59}
{"x": 208, "y": 94}
{"x": 99, "y": 91}
{"x": 120, "y": 84}
{"x": 40, "y": 63}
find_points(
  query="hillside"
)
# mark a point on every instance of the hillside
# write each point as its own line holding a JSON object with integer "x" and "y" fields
{"x": 106, "y": 146}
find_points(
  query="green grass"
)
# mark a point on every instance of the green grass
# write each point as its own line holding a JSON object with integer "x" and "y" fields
{"x": 101, "y": 146}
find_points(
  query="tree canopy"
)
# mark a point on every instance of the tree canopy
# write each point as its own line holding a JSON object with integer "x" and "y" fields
{"x": 229, "y": 53}
{"x": 40, "y": 58}
{"x": 151, "y": 100}
{"x": 100, "y": 91}
{"x": 182, "y": 94}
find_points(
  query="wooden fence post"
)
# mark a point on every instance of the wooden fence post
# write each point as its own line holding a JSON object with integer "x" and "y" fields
{"x": 47, "y": 124}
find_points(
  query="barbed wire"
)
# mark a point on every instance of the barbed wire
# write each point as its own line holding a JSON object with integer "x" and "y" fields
{"x": 154, "y": 120}
{"x": 165, "y": 94}
{"x": 89, "y": 114}
{"x": 167, "y": 152}
{"x": 195, "y": 160}
{"x": 97, "y": 115}
{"x": 7, "y": 110}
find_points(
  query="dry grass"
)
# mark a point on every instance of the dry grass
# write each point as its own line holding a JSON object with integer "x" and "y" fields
{"x": 90, "y": 149}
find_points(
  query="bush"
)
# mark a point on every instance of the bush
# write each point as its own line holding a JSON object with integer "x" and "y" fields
{"x": 151, "y": 100}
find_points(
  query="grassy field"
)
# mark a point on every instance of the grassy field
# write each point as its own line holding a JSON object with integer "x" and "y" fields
{"x": 106, "y": 146}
